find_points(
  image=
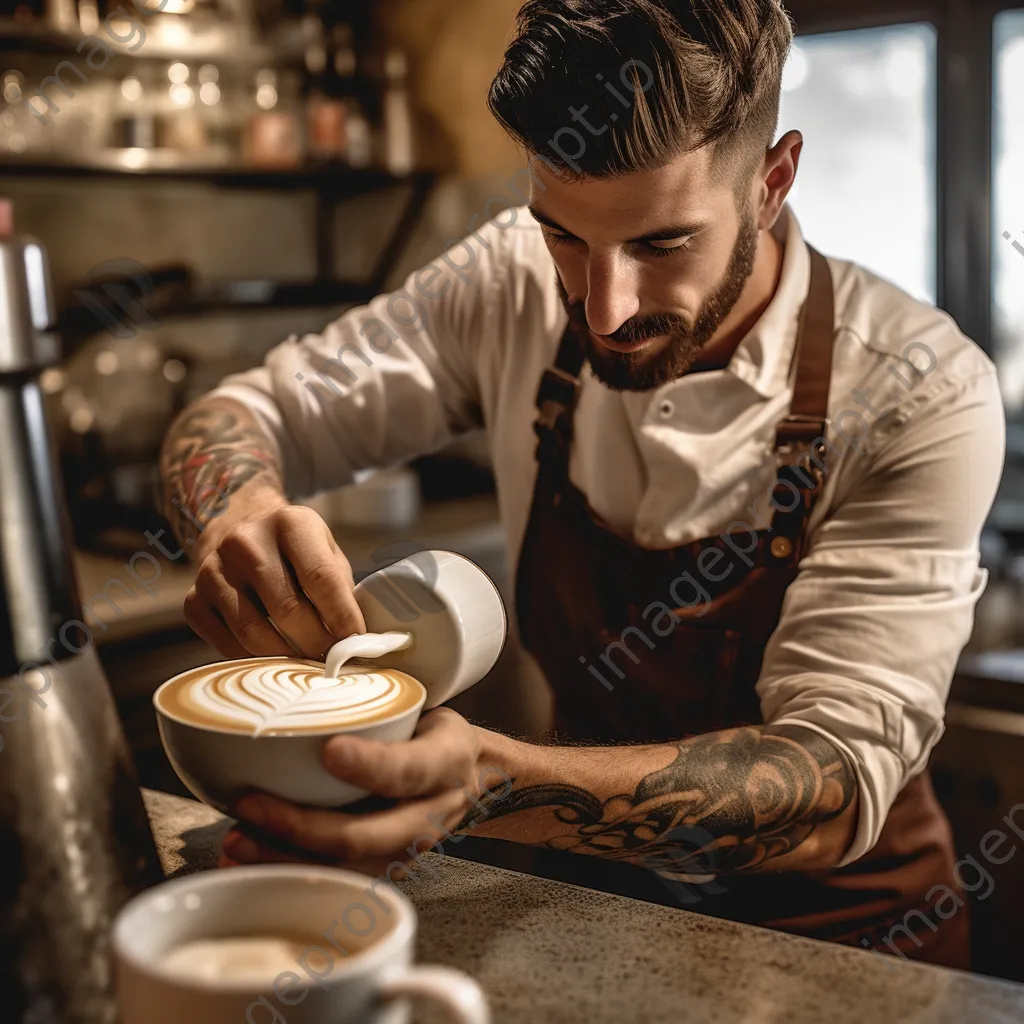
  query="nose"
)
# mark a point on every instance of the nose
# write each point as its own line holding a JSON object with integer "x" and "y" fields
{"x": 612, "y": 294}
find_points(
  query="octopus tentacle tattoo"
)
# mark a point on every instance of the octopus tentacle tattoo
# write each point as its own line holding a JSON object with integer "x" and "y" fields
{"x": 730, "y": 801}
{"x": 210, "y": 453}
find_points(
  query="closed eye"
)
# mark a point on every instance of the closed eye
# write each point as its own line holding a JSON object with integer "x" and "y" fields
{"x": 560, "y": 239}
{"x": 658, "y": 248}
{"x": 668, "y": 246}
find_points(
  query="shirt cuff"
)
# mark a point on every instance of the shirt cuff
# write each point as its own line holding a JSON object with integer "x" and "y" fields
{"x": 886, "y": 744}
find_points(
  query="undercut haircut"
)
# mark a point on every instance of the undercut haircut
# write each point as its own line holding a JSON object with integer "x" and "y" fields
{"x": 600, "y": 88}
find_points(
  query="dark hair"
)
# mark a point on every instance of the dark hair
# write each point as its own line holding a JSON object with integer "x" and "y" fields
{"x": 663, "y": 77}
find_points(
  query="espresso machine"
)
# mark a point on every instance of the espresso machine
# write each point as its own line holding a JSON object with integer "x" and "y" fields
{"x": 75, "y": 842}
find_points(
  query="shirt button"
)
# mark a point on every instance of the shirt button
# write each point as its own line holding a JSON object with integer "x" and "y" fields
{"x": 666, "y": 409}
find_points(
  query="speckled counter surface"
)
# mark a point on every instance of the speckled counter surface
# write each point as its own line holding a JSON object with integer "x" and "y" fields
{"x": 547, "y": 951}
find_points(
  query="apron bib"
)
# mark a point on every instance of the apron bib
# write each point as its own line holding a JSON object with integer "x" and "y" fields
{"x": 581, "y": 588}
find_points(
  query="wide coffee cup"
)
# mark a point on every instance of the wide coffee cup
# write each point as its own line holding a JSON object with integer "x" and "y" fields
{"x": 282, "y": 944}
{"x": 261, "y": 723}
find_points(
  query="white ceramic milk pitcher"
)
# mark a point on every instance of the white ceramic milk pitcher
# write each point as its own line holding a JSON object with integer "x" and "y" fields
{"x": 453, "y": 612}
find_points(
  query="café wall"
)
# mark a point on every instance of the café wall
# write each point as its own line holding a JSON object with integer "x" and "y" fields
{"x": 454, "y": 50}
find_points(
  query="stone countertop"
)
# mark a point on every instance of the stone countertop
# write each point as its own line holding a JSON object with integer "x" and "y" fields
{"x": 549, "y": 951}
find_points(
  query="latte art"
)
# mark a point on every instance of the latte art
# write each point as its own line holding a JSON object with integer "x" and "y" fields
{"x": 274, "y": 696}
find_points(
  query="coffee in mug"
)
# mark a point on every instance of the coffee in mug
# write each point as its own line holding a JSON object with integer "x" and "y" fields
{"x": 238, "y": 959}
{"x": 278, "y": 943}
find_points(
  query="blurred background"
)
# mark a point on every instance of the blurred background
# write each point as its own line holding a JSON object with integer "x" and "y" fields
{"x": 212, "y": 176}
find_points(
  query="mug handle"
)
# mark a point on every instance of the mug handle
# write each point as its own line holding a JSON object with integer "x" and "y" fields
{"x": 458, "y": 993}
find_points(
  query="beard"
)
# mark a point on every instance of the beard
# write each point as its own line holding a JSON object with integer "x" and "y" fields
{"x": 639, "y": 371}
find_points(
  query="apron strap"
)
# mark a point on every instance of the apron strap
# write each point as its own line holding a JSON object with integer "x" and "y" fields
{"x": 808, "y": 414}
{"x": 556, "y": 400}
{"x": 800, "y": 441}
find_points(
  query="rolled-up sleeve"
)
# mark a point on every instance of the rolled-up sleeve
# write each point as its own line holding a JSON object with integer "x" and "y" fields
{"x": 873, "y": 626}
{"x": 388, "y": 381}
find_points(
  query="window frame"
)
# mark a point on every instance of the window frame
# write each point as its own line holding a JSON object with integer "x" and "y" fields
{"x": 964, "y": 135}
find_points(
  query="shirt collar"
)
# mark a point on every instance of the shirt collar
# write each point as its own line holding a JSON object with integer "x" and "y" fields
{"x": 764, "y": 357}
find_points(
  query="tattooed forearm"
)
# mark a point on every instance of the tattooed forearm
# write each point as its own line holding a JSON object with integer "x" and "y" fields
{"x": 212, "y": 450}
{"x": 738, "y": 800}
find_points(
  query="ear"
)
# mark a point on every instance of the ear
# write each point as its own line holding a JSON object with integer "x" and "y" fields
{"x": 781, "y": 164}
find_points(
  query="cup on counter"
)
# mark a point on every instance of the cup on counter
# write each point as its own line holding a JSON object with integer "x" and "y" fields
{"x": 456, "y": 625}
{"x": 278, "y": 944}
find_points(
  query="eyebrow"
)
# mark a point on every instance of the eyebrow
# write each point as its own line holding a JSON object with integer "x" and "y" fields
{"x": 662, "y": 235}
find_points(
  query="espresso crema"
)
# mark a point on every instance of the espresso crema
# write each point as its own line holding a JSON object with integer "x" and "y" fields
{"x": 275, "y": 696}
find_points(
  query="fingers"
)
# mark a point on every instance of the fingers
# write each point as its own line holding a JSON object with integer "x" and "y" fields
{"x": 204, "y": 619}
{"x": 277, "y": 585}
{"x": 245, "y": 847}
{"x": 411, "y": 827}
{"x": 431, "y": 775}
{"x": 247, "y": 624}
{"x": 252, "y": 561}
{"x": 442, "y": 753}
{"x": 322, "y": 571}
{"x": 293, "y": 613}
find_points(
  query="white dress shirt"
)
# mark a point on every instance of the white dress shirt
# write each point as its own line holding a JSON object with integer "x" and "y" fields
{"x": 871, "y": 629}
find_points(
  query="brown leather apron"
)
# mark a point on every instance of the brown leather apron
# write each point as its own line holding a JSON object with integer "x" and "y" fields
{"x": 580, "y": 586}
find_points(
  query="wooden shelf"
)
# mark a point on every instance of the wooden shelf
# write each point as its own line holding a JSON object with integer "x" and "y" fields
{"x": 181, "y": 296}
{"x": 34, "y": 37}
{"x": 338, "y": 178}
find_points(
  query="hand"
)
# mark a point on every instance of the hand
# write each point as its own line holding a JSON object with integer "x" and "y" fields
{"x": 434, "y": 777}
{"x": 274, "y": 583}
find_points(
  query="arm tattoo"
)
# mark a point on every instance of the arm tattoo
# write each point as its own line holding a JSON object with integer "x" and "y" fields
{"x": 210, "y": 453}
{"x": 729, "y": 801}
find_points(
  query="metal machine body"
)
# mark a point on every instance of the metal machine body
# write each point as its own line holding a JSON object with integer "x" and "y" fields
{"x": 75, "y": 842}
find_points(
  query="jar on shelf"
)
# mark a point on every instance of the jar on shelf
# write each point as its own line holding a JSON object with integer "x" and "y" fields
{"x": 134, "y": 118}
{"x": 326, "y": 126}
{"x": 185, "y": 130}
{"x": 274, "y": 137}
{"x": 214, "y": 107}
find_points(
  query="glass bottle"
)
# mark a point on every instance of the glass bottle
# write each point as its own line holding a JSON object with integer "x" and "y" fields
{"x": 397, "y": 116}
{"x": 359, "y": 136}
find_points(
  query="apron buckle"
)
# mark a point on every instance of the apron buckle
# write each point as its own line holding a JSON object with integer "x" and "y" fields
{"x": 799, "y": 430}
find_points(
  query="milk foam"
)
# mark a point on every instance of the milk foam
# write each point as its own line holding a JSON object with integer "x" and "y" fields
{"x": 255, "y": 960}
{"x": 285, "y": 695}
{"x": 364, "y": 645}
{"x": 274, "y": 695}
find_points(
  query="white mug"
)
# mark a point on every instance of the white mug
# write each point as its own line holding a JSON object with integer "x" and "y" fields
{"x": 331, "y": 984}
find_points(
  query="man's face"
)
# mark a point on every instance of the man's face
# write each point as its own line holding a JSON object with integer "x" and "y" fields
{"x": 649, "y": 264}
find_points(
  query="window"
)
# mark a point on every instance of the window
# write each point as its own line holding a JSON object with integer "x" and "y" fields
{"x": 865, "y": 103}
{"x": 1008, "y": 207}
